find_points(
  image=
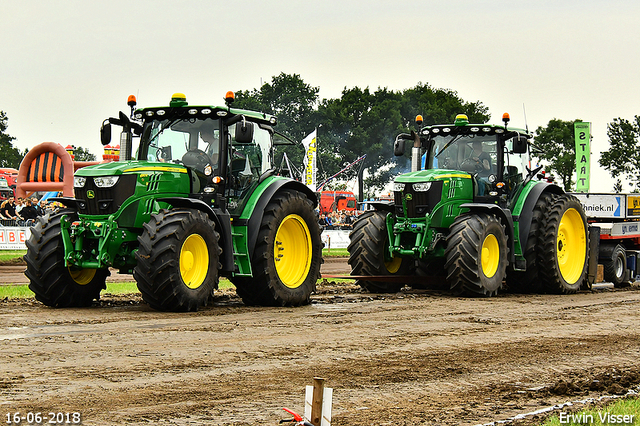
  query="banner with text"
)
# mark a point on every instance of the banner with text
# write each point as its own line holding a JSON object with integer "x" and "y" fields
{"x": 310, "y": 147}
{"x": 14, "y": 238}
{"x": 583, "y": 155}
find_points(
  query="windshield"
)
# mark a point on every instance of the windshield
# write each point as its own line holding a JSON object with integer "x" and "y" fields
{"x": 169, "y": 140}
{"x": 471, "y": 153}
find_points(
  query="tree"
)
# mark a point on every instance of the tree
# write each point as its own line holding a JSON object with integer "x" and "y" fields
{"x": 9, "y": 155}
{"x": 82, "y": 154}
{"x": 362, "y": 122}
{"x": 557, "y": 143}
{"x": 293, "y": 102}
{"x": 622, "y": 159}
{"x": 287, "y": 97}
{"x": 359, "y": 122}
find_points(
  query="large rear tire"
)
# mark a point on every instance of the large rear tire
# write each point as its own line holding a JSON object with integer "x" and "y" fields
{"x": 369, "y": 254}
{"x": 178, "y": 260}
{"x": 288, "y": 253}
{"x": 53, "y": 283}
{"x": 564, "y": 246}
{"x": 614, "y": 260}
{"x": 476, "y": 255}
{"x": 529, "y": 281}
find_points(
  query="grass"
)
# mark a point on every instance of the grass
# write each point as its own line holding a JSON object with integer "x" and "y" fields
{"x": 22, "y": 291}
{"x": 335, "y": 253}
{"x": 609, "y": 414}
{"x": 11, "y": 254}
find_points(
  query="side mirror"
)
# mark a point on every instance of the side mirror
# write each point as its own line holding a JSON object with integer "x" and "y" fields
{"x": 519, "y": 144}
{"x": 165, "y": 154}
{"x": 105, "y": 133}
{"x": 244, "y": 132}
{"x": 398, "y": 144}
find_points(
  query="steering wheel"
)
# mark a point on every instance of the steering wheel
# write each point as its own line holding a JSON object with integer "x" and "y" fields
{"x": 197, "y": 160}
{"x": 471, "y": 165}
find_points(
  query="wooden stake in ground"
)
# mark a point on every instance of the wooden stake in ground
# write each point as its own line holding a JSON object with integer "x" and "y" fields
{"x": 316, "y": 404}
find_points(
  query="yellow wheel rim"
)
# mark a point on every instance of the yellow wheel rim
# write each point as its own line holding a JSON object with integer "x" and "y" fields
{"x": 82, "y": 276}
{"x": 490, "y": 256}
{"x": 393, "y": 265}
{"x": 194, "y": 261}
{"x": 571, "y": 246}
{"x": 292, "y": 251}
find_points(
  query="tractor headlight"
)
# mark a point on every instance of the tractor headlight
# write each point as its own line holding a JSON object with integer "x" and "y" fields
{"x": 79, "y": 181}
{"x": 422, "y": 186}
{"x": 105, "y": 181}
{"x": 398, "y": 187}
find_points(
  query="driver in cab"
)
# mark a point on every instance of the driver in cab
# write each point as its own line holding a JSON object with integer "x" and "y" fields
{"x": 482, "y": 159}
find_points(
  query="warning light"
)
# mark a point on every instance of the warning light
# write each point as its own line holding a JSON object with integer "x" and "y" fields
{"x": 229, "y": 97}
{"x": 506, "y": 118}
{"x": 461, "y": 120}
{"x": 131, "y": 101}
{"x": 178, "y": 100}
{"x": 419, "y": 119}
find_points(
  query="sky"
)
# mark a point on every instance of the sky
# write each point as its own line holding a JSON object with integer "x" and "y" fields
{"x": 65, "y": 66}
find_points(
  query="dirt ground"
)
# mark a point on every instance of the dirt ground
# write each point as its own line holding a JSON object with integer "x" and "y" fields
{"x": 415, "y": 357}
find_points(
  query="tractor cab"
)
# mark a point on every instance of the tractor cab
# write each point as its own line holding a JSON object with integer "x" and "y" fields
{"x": 490, "y": 156}
{"x": 226, "y": 151}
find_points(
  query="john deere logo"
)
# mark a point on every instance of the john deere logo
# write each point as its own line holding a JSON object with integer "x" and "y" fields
{"x": 91, "y": 194}
{"x": 408, "y": 197}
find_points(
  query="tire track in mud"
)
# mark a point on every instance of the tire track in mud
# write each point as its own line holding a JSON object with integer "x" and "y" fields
{"x": 406, "y": 358}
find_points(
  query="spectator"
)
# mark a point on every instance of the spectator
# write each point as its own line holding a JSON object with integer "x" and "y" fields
{"x": 41, "y": 207}
{"x": 348, "y": 220}
{"x": 28, "y": 214}
{"x": 19, "y": 205}
{"x": 8, "y": 209}
{"x": 323, "y": 220}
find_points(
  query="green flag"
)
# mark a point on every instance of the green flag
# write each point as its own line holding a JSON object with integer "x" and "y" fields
{"x": 583, "y": 155}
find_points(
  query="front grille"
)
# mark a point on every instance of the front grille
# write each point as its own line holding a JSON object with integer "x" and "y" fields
{"x": 105, "y": 200}
{"x": 420, "y": 203}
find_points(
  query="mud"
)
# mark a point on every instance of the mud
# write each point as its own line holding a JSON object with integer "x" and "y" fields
{"x": 415, "y": 357}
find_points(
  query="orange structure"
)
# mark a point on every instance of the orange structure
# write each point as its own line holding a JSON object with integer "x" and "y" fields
{"x": 48, "y": 167}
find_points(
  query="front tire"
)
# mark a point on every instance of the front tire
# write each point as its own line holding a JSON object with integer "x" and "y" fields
{"x": 476, "y": 255}
{"x": 288, "y": 253}
{"x": 564, "y": 245}
{"x": 53, "y": 283}
{"x": 178, "y": 260}
{"x": 369, "y": 254}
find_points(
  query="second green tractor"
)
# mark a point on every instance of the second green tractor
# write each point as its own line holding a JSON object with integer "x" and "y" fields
{"x": 472, "y": 214}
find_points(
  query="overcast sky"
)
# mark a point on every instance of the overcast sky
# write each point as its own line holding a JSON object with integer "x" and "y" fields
{"x": 65, "y": 66}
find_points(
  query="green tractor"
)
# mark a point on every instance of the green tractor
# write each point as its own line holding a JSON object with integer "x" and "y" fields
{"x": 471, "y": 214}
{"x": 200, "y": 200}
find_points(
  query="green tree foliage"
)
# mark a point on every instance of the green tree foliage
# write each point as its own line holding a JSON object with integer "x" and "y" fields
{"x": 622, "y": 159}
{"x": 82, "y": 154}
{"x": 360, "y": 122}
{"x": 365, "y": 122}
{"x": 9, "y": 155}
{"x": 557, "y": 143}
{"x": 287, "y": 97}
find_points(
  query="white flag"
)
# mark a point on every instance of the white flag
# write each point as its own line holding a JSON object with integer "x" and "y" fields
{"x": 310, "y": 160}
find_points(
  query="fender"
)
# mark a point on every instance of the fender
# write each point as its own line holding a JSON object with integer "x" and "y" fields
{"x": 221, "y": 219}
{"x": 254, "y": 222}
{"x": 524, "y": 220}
{"x": 503, "y": 215}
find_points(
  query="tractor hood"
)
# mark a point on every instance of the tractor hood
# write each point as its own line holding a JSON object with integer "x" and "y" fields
{"x": 118, "y": 168}
{"x": 431, "y": 175}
